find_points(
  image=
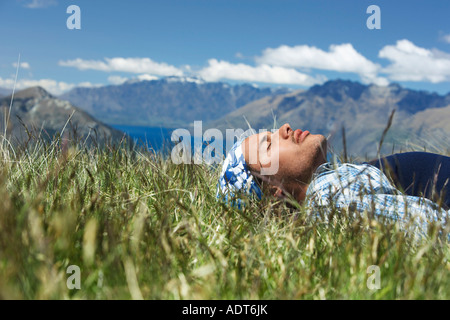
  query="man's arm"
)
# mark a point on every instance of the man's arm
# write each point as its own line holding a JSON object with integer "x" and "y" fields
{"x": 365, "y": 189}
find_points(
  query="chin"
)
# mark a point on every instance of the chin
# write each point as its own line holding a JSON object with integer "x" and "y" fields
{"x": 320, "y": 140}
{"x": 321, "y": 149}
{"x": 324, "y": 144}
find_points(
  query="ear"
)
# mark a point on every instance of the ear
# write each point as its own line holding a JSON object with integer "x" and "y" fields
{"x": 277, "y": 192}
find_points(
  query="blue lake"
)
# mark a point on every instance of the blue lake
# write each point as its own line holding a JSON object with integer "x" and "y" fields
{"x": 153, "y": 137}
{"x": 157, "y": 138}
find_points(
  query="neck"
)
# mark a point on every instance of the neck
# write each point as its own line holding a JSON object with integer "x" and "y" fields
{"x": 297, "y": 190}
{"x": 302, "y": 187}
{"x": 301, "y": 193}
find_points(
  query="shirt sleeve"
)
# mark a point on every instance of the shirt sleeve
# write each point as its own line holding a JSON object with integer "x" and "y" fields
{"x": 397, "y": 207}
{"x": 365, "y": 189}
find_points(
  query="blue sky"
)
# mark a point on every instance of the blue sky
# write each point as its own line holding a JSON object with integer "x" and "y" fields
{"x": 268, "y": 43}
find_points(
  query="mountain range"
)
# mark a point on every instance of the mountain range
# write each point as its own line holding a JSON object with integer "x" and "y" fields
{"x": 36, "y": 111}
{"x": 169, "y": 102}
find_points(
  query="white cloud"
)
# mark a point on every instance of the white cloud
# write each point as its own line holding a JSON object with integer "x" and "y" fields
{"x": 374, "y": 79}
{"x": 217, "y": 70}
{"x": 412, "y": 63}
{"x": 34, "y": 4}
{"x": 446, "y": 38}
{"x": 23, "y": 65}
{"x": 52, "y": 86}
{"x": 88, "y": 84}
{"x": 339, "y": 58}
{"x": 131, "y": 65}
{"x": 146, "y": 77}
{"x": 116, "y": 80}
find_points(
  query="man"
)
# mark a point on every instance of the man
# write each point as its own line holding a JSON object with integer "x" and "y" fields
{"x": 302, "y": 172}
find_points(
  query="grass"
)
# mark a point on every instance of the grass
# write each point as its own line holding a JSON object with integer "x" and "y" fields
{"x": 139, "y": 226}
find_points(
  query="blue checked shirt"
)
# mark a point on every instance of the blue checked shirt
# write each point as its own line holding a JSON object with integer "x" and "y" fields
{"x": 364, "y": 188}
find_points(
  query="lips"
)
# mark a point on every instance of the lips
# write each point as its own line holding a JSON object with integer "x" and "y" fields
{"x": 304, "y": 135}
{"x": 297, "y": 134}
{"x": 300, "y": 136}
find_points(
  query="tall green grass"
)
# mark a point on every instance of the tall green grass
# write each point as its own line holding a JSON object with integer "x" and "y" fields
{"x": 139, "y": 226}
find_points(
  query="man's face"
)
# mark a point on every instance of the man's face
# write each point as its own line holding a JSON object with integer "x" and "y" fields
{"x": 296, "y": 153}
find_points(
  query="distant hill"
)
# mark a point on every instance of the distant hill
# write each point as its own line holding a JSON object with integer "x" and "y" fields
{"x": 169, "y": 102}
{"x": 39, "y": 110}
{"x": 363, "y": 110}
{"x": 5, "y": 92}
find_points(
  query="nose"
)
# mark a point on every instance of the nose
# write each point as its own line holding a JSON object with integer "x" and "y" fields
{"x": 285, "y": 131}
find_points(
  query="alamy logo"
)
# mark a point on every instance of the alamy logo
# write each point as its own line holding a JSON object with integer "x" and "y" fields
{"x": 373, "y": 282}
{"x": 374, "y": 21}
{"x": 74, "y": 281}
{"x": 74, "y": 21}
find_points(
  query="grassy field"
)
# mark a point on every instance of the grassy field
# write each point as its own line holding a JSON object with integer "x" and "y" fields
{"x": 139, "y": 226}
